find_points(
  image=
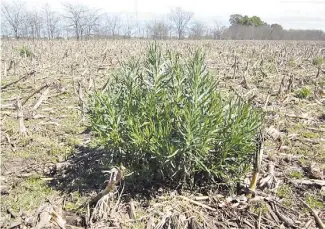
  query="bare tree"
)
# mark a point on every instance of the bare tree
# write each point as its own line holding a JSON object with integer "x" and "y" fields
{"x": 14, "y": 15}
{"x": 217, "y": 30}
{"x": 158, "y": 29}
{"x": 129, "y": 26}
{"x": 33, "y": 24}
{"x": 5, "y": 29}
{"x": 112, "y": 25}
{"x": 180, "y": 19}
{"x": 91, "y": 21}
{"x": 76, "y": 15}
{"x": 197, "y": 30}
{"x": 141, "y": 27}
{"x": 51, "y": 21}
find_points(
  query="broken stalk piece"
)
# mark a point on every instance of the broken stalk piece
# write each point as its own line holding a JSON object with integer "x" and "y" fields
{"x": 257, "y": 162}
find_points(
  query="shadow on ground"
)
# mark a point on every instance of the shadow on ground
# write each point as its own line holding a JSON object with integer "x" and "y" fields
{"x": 82, "y": 171}
{"x": 85, "y": 172}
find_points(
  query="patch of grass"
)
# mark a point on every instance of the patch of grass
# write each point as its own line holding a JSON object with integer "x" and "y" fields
{"x": 259, "y": 208}
{"x": 303, "y": 93}
{"x": 74, "y": 201}
{"x": 137, "y": 224}
{"x": 94, "y": 143}
{"x": 286, "y": 141}
{"x": 296, "y": 174}
{"x": 40, "y": 148}
{"x": 291, "y": 62}
{"x": 322, "y": 193}
{"x": 29, "y": 194}
{"x": 309, "y": 134}
{"x": 318, "y": 151}
{"x": 303, "y": 161}
{"x": 72, "y": 141}
{"x": 69, "y": 206}
{"x": 11, "y": 127}
{"x": 287, "y": 202}
{"x": 297, "y": 127}
{"x": 272, "y": 68}
{"x": 318, "y": 61}
{"x": 285, "y": 192}
{"x": 25, "y": 52}
{"x": 301, "y": 150}
{"x": 71, "y": 124}
{"x": 22, "y": 153}
{"x": 25, "y": 141}
{"x": 313, "y": 202}
{"x": 60, "y": 151}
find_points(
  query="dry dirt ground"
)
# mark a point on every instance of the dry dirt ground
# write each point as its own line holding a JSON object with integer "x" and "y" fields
{"x": 50, "y": 165}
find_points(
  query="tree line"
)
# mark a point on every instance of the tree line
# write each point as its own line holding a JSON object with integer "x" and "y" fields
{"x": 82, "y": 22}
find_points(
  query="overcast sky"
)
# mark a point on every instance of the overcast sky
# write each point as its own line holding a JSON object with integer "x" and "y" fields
{"x": 296, "y": 14}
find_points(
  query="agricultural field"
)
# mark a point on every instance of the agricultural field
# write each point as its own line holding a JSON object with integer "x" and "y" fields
{"x": 52, "y": 164}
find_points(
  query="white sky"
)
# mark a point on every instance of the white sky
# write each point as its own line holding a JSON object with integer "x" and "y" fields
{"x": 296, "y": 14}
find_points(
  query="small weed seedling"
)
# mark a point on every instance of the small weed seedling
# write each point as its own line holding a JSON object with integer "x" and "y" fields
{"x": 318, "y": 61}
{"x": 285, "y": 193}
{"x": 303, "y": 93}
{"x": 25, "y": 52}
{"x": 296, "y": 174}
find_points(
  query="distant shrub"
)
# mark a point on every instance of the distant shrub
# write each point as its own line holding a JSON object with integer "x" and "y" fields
{"x": 25, "y": 52}
{"x": 292, "y": 62}
{"x": 318, "y": 61}
{"x": 164, "y": 119}
{"x": 303, "y": 93}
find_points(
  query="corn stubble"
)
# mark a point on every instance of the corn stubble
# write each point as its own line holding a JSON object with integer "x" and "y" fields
{"x": 165, "y": 120}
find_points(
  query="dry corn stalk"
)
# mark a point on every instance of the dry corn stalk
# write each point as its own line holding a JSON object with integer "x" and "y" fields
{"x": 116, "y": 176}
{"x": 41, "y": 98}
{"x": 20, "y": 117}
{"x": 81, "y": 101}
{"x": 257, "y": 162}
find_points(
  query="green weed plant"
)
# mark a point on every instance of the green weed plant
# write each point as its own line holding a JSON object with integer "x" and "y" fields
{"x": 164, "y": 119}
